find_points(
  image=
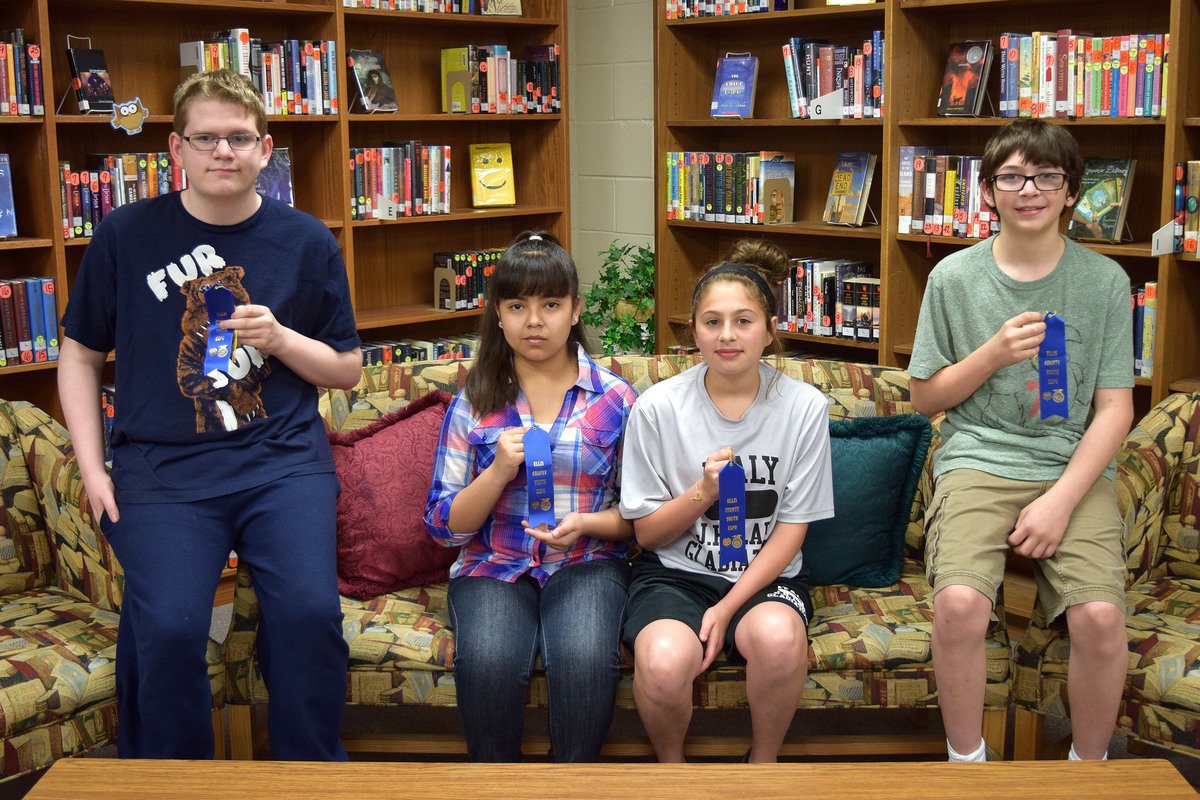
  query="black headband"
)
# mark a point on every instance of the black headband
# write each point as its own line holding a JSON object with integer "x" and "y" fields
{"x": 736, "y": 269}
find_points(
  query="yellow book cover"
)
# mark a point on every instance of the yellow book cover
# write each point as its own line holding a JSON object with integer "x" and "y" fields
{"x": 456, "y": 81}
{"x": 492, "y": 177}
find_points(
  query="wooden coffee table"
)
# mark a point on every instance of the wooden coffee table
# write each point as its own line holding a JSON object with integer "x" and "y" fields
{"x": 110, "y": 779}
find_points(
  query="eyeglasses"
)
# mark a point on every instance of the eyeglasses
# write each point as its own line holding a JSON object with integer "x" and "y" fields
{"x": 207, "y": 142}
{"x": 1015, "y": 182}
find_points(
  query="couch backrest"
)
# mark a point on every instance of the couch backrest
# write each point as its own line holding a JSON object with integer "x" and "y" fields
{"x": 854, "y": 390}
{"x": 26, "y": 554}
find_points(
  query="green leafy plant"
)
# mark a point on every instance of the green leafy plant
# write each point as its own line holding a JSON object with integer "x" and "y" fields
{"x": 620, "y": 304}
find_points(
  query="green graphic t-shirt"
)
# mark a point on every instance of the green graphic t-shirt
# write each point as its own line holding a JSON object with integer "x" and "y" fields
{"x": 999, "y": 429}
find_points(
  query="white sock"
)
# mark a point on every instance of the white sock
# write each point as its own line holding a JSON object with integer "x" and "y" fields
{"x": 980, "y": 753}
{"x": 1073, "y": 756}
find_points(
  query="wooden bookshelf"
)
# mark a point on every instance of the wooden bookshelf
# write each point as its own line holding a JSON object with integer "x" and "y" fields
{"x": 918, "y": 35}
{"x": 389, "y": 264}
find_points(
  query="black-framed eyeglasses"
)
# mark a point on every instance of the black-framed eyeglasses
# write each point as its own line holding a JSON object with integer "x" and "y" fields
{"x": 207, "y": 142}
{"x": 1015, "y": 182}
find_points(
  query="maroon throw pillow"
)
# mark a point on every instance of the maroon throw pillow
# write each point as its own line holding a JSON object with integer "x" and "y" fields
{"x": 385, "y": 470}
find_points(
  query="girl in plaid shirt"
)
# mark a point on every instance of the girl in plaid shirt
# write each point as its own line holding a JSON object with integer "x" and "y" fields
{"x": 516, "y": 591}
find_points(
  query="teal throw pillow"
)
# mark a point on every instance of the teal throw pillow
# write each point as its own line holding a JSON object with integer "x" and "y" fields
{"x": 877, "y": 464}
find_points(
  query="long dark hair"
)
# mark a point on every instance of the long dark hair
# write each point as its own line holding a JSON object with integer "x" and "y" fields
{"x": 534, "y": 265}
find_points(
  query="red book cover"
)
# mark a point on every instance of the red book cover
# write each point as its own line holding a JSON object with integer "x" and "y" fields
{"x": 8, "y": 322}
{"x": 21, "y": 315}
{"x": 1062, "y": 103}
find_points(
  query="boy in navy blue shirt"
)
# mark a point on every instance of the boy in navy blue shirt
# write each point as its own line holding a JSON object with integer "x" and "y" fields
{"x": 217, "y": 445}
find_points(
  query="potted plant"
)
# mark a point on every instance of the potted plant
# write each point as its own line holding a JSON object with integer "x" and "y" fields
{"x": 620, "y": 304}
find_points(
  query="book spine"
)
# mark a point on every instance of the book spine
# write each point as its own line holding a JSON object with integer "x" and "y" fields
{"x": 20, "y": 68}
{"x": 49, "y": 316}
{"x": 1148, "y": 330}
{"x": 1156, "y": 102}
{"x": 1139, "y": 323}
{"x": 37, "y": 102}
{"x": 1166, "y": 72}
{"x": 1025, "y": 91}
{"x": 1080, "y": 74}
{"x": 1123, "y": 79}
{"x": 793, "y": 96}
{"x": 33, "y": 309}
{"x": 8, "y": 321}
{"x": 21, "y": 315}
{"x": 1061, "y": 71}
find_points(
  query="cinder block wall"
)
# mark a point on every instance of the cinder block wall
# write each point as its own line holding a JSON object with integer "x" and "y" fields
{"x": 611, "y": 109}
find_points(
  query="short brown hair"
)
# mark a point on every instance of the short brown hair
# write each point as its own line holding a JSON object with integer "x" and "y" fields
{"x": 219, "y": 84}
{"x": 1038, "y": 142}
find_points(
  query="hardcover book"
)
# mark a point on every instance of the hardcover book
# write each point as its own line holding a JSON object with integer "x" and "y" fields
{"x": 373, "y": 81}
{"x": 8, "y": 214}
{"x": 1103, "y": 200}
{"x": 275, "y": 180}
{"x": 734, "y": 86}
{"x": 777, "y": 187}
{"x": 849, "y": 188}
{"x": 964, "y": 82}
{"x": 492, "y": 176}
{"x": 90, "y": 79}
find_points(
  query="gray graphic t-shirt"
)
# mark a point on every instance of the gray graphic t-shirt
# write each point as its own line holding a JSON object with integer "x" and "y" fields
{"x": 782, "y": 441}
{"x": 999, "y": 429}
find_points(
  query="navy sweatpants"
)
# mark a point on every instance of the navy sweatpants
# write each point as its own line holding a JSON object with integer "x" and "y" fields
{"x": 172, "y": 554}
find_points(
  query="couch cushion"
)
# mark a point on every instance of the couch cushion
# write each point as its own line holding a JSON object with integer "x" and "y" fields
{"x": 26, "y": 558}
{"x": 877, "y": 464}
{"x": 385, "y": 470}
{"x": 56, "y": 657}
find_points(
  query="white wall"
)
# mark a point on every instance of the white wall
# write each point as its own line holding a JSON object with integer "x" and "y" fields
{"x": 611, "y": 108}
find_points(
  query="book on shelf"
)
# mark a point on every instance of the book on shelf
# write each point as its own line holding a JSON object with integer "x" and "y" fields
{"x": 461, "y": 278}
{"x": 20, "y": 75}
{"x": 293, "y": 76}
{"x": 754, "y": 188}
{"x": 849, "y": 189}
{"x": 493, "y": 180}
{"x": 939, "y": 195}
{"x": 814, "y": 68}
{"x": 8, "y": 209}
{"x": 964, "y": 81}
{"x": 403, "y": 351}
{"x": 399, "y": 179}
{"x": 456, "y": 80}
{"x": 419, "y": 6}
{"x": 28, "y": 321}
{"x": 1103, "y": 200}
{"x": 109, "y": 181}
{"x": 108, "y": 413}
{"x": 734, "y": 86}
{"x": 1191, "y": 209}
{"x": 275, "y": 179}
{"x": 1144, "y": 299}
{"x": 825, "y": 297}
{"x": 489, "y": 79}
{"x": 91, "y": 80}
{"x": 502, "y": 8}
{"x": 686, "y": 9}
{"x": 1073, "y": 73}
{"x": 372, "y": 80}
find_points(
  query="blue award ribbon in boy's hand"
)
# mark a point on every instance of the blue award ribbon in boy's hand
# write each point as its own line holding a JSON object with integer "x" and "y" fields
{"x": 1052, "y": 369}
{"x": 539, "y": 475}
{"x": 221, "y": 343}
{"x": 731, "y": 509}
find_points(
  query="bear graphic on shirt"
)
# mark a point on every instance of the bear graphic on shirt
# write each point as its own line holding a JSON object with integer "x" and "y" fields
{"x": 224, "y": 401}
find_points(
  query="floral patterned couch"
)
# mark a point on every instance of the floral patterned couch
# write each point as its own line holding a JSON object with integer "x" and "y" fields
{"x": 1158, "y": 489}
{"x": 60, "y": 595}
{"x": 870, "y": 648}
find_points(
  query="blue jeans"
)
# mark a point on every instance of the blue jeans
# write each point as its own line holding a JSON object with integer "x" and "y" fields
{"x": 574, "y": 621}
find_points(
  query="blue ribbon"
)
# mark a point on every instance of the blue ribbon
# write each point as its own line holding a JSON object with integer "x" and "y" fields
{"x": 539, "y": 475}
{"x": 1052, "y": 369}
{"x": 221, "y": 343}
{"x": 731, "y": 506}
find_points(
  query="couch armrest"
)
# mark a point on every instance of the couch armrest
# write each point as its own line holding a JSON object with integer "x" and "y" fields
{"x": 1155, "y": 466}
{"x": 83, "y": 562}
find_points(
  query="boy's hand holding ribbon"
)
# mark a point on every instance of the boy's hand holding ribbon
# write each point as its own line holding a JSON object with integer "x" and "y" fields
{"x": 1018, "y": 339}
{"x": 257, "y": 327}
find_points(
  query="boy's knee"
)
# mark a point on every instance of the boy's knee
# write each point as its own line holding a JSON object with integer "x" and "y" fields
{"x": 961, "y": 611}
{"x": 1097, "y": 627}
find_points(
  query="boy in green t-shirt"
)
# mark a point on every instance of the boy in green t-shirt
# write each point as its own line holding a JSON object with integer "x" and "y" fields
{"x": 1018, "y": 469}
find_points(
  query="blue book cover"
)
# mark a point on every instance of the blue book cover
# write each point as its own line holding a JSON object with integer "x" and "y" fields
{"x": 8, "y": 212}
{"x": 275, "y": 180}
{"x": 733, "y": 89}
{"x": 49, "y": 317}
{"x": 33, "y": 308}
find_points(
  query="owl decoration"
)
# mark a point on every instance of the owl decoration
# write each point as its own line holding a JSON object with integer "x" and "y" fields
{"x": 129, "y": 116}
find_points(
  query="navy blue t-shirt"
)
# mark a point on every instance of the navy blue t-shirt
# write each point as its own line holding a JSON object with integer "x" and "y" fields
{"x": 181, "y": 434}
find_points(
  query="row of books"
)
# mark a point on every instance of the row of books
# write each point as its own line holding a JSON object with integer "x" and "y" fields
{"x": 487, "y": 79}
{"x": 109, "y": 181}
{"x": 401, "y": 351}
{"x": 28, "y": 321}
{"x": 502, "y": 8}
{"x": 294, "y": 76}
{"x": 1144, "y": 300}
{"x": 461, "y": 277}
{"x": 834, "y": 297}
{"x": 814, "y": 68}
{"x": 400, "y": 179}
{"x": 20, "y": 75}
{"x": 686, "y": 9}
{"x": 939, "y": 195}
{"x": 755, "y": 188}
{"x": 1070, "y": 73}
{"x": 1187, "y": 207}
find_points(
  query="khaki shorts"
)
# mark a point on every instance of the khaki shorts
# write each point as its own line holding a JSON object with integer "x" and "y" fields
{"x": 971, "y": 515}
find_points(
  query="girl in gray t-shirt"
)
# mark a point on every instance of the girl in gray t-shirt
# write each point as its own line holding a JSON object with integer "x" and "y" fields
{"x": 685, "y": 607}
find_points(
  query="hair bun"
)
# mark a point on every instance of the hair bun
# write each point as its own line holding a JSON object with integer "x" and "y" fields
{"x": 767, "y": 258}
